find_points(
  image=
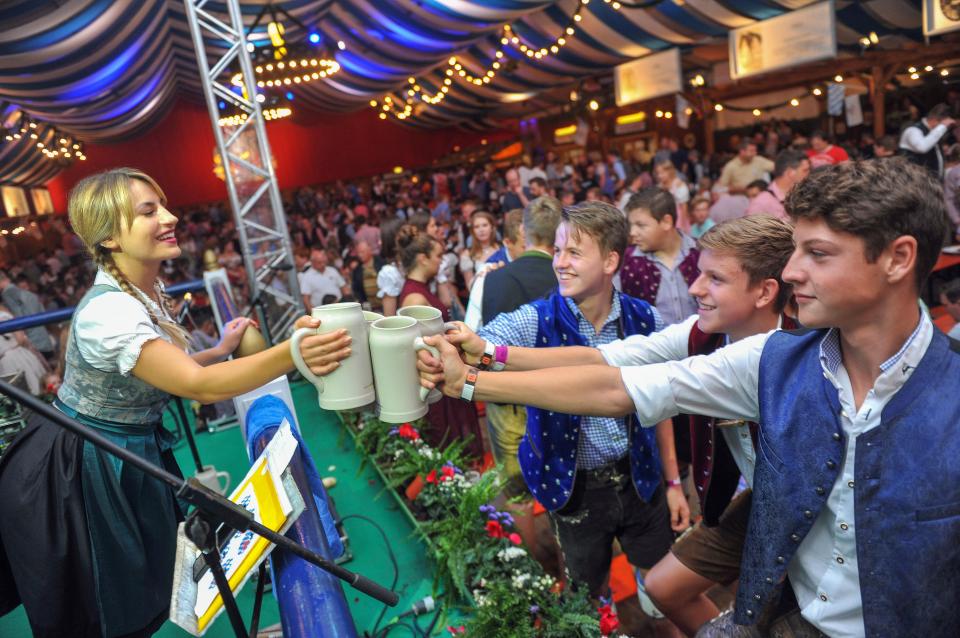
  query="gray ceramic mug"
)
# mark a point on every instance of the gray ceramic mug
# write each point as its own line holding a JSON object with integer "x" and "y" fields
{"x": 431, "y": 323}
{"x": 394, "y": 343}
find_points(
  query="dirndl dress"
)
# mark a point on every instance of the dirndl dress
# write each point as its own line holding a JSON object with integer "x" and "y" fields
{"x": 87, "y": 542}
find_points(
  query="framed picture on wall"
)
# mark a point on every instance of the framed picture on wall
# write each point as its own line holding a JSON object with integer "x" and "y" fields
{"x": 14, "y": 201}
{"x": 42, "y": 202}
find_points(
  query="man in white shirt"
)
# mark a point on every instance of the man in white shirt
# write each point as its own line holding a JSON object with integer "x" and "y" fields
{"x": 864, "y": 404}
{"x": 321, "y": 280}
{"x": 920, "y": 142}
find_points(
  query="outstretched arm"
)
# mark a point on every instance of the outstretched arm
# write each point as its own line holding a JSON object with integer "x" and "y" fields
{"x": 164, "y": 366}
{"x": 587, "y": 390}
{"x": 723, "y": 384}
{"x": 521, "y": 358}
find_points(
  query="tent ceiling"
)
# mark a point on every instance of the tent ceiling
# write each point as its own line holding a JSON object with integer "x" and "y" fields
{"x": 109, "y": 69}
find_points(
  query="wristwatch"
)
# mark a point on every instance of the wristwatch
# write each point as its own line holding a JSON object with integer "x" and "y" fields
{"x": 469, "y": 384}
{"x": 488, "y": 357}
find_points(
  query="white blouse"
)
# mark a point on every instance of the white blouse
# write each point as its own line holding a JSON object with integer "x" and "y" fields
{"x": 389, "y": 281}
{"x": 113, "y": 327}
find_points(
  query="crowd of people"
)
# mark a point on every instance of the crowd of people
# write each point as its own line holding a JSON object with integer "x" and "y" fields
{"x": 624, "y": 262}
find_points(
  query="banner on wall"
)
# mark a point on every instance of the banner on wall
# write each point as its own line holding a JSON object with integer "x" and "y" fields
{"x": 788, "y": 40}
{"x": 853, "y": 110}
{"x": 940, "y": 16}
{"x": 648, "y": 77}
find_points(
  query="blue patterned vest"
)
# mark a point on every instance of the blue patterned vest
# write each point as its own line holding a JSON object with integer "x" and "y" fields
{"x": 108, "y": 396}
{"x": 548, "y": 450}
{"x": 907, "y": 478}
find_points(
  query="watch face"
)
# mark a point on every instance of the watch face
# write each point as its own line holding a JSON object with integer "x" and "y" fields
{"x": 951, "y": 9}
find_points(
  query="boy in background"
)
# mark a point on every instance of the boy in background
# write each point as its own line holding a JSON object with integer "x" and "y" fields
{"x": 663, "y": 263}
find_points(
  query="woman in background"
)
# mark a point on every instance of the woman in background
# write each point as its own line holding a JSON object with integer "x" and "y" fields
{"x": 420, "y": 256}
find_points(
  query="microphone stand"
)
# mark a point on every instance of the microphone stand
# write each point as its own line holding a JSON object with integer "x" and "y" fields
{"x": 257, "y": 301}
{"x": 211, "y": 511}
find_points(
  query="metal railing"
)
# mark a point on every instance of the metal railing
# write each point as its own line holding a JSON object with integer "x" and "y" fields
{"x": 65, "y": 314}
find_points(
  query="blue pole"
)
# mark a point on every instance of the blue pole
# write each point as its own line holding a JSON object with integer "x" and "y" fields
{"x": 311, "y": 601}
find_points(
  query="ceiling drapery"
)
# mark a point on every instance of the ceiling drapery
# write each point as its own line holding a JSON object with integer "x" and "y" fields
{"x": 105, "y": 70}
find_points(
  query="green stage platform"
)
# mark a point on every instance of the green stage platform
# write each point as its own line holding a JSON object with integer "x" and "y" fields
{"x": 356, "y": 493}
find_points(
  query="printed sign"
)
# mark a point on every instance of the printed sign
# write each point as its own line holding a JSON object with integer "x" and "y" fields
{"x": 792, "y": 39}
{"x": 648, "y": 77}
{"x": 940, "y": 16}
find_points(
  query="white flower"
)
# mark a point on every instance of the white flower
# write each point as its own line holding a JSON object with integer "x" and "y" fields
{"x": 510, "y": 553}
{"x": 520, "y": 580}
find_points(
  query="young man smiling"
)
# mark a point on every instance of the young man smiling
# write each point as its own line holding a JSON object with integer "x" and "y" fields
{"x": 739, "y": 293}
{"x": 600, "y": 478}
{"x": 856, "y": 502}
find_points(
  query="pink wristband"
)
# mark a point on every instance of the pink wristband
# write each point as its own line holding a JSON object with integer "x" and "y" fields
{"x": 500, "y": 357}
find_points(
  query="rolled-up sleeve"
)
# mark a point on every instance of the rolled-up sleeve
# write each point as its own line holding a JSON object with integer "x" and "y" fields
{"x": 723, "y": 384}
{"x": 111, "y": 330}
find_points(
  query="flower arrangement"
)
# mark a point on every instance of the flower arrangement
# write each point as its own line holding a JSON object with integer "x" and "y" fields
{"x": 482, "y": 564}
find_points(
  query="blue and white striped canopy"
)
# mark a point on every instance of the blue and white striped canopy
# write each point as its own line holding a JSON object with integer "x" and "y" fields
{"x": 104, "y": 70}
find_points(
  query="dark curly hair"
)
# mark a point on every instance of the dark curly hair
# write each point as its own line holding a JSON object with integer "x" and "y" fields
{"x": 878, "y": 201}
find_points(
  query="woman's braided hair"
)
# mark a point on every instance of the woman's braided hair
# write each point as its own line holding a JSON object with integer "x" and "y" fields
{"x": 99, "y": 204}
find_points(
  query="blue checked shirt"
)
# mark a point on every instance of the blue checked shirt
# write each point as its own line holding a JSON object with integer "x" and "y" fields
{"x": 603, "y": 439}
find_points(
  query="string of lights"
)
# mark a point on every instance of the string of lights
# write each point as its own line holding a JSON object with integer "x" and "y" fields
{"x": 913, "y": 71}
{"x": 53, "y": 144}
{"x": 457, "y": 69}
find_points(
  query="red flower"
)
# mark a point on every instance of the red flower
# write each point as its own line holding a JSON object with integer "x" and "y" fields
{"x": 495, "y": 530}
{"x": 447, "y": 473}
{"x": 515, "y": 538}
{"x": 407, "y": 431}
{"x": 608, "y": 620}
{"x": 431, "y": 477}
{"x": 456, "y": 630}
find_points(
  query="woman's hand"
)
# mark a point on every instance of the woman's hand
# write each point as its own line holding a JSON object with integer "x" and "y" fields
{"x": 323, "y": 352}
{"x": 679, "y": 509}
{"x": 232, "y": 334}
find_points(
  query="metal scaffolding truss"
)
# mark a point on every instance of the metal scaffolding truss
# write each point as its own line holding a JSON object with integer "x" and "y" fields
{"x": 247, "y": 166}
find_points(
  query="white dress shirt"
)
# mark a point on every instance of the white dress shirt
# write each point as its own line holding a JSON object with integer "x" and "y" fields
{"x": 672, "y": 344}
{"x": 823, "y": 572}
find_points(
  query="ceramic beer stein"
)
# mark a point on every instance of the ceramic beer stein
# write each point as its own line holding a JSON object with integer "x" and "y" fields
{"x": 369, "y": 316}
{"x": 431, "y": 323}
{"x": 351, "y": 384}
{"x": 394, "y": 342}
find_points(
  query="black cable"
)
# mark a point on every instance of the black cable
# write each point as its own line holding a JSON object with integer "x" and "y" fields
{"x": 391, "y": 627}
{"x": 393, "y": 561}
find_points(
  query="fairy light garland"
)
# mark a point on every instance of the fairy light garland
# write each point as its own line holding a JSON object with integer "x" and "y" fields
{"x": 457, "y": 69}
{"x": 47, "y": 140}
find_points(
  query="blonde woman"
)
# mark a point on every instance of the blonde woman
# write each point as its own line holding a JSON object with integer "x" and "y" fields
{"x": 90, "y": 541}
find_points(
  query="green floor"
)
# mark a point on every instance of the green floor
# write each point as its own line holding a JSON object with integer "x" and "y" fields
{"x": 335, "y": 455}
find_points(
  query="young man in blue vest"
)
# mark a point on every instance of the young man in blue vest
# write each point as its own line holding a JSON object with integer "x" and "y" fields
{"x": 856, "y": 505}
{"x": 739, "y": 293}
{"x": 596, "y": 485}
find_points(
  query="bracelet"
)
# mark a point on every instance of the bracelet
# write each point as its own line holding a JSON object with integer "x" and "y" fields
{"x": 674, "y": 483}
{"x": 487, "y": 358}
{"x": 500, "y": 358}
{"x": 469, "y": 384}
